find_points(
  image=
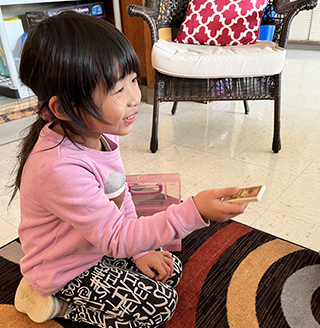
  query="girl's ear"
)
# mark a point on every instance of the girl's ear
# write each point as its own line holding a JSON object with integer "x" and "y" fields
{"x": 57, "y": 110}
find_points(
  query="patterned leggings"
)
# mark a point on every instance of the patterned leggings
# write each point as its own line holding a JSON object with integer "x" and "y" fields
{"x": 116, "y": 294}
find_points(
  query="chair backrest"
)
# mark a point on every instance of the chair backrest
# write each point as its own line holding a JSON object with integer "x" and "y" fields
{"x": 170, "y": 13}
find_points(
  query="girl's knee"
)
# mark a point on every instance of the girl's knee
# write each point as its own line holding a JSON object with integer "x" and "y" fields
{"x": 177, "y": 265}
{"x": 164, "y": 311}
{"x": 177, "y": 272}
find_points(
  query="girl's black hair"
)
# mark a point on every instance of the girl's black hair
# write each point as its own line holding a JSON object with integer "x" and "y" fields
{"x": 68, "y": 56}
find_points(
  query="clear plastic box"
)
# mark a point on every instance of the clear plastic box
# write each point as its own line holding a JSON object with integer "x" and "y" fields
{"x": 152, "y": 193}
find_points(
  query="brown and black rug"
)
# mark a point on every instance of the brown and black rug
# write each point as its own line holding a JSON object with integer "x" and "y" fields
{"x": 234, "y": 276}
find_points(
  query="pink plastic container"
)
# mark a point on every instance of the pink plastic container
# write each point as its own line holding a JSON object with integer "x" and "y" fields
{"x": 152, "y": 193}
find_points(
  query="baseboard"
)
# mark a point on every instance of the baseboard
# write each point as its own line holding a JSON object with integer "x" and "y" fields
{"x": 303, "y": 46}
{"x": 146, "y": 94}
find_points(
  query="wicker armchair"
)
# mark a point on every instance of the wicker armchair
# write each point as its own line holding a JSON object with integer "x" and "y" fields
{"x": 170, "y": 13}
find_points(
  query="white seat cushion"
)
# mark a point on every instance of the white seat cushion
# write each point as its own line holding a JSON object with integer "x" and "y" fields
{"x": 207, "y": 61}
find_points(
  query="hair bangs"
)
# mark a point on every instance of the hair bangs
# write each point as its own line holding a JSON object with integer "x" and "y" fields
{"x": 119, "y": 59}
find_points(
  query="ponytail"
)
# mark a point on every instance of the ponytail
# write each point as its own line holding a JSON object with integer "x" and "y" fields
{"x": 44, "y": 116}
{"x": 26, "y": 147}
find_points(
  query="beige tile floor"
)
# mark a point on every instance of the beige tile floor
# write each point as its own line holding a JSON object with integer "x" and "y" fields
{"x": 216, "y": 145}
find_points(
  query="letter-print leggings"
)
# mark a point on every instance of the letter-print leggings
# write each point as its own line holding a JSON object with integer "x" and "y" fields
{"x": 116, "y": 294}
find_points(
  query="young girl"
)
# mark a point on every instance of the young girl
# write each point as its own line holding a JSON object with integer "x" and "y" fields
{"x": 88, "y": 258}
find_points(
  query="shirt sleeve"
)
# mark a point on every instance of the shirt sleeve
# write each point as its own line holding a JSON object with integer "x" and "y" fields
{"x": 72, "y": 194}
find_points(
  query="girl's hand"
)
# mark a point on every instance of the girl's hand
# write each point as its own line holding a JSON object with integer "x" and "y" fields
{"x": 156, "y": 265}
{"x": 210, "y": 205}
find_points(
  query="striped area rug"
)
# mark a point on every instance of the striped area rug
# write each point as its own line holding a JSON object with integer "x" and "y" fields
{"x": 234, "y": 277}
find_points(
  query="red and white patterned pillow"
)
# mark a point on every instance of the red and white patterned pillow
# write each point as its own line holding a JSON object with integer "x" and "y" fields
{"x": 222, "y": 22}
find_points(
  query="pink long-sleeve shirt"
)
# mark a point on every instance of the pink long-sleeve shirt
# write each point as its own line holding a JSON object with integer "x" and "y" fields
{"x": 68, "y": 221}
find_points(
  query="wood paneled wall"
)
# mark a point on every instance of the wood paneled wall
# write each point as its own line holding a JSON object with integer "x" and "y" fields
{"x": 137, "y": 31}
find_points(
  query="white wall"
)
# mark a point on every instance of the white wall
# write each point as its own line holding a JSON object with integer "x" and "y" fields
{"x": 306, "y": 26}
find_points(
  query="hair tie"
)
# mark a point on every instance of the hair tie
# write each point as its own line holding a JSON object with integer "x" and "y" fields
{"x": 45, "y": 113}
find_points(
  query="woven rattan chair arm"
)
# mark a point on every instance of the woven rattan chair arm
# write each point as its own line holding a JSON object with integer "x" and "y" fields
{"x": 287, "y": 11}
{"x": 148, "y": 16}
{"x": 285, "y": 6}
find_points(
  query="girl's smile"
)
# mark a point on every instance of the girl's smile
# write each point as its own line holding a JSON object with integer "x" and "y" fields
{"x": 119, "y": 107}
{"x": 130, "y": 119}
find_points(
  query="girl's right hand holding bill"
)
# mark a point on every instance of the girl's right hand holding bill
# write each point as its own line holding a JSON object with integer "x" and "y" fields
{"x": 211, "y": 206}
